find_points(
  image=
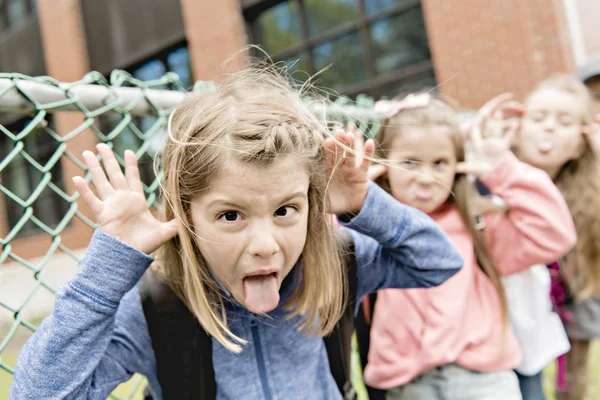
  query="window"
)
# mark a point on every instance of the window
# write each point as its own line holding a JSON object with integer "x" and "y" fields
{"x": 178, "y": 61}
{"x": 22, "y": 178}
{"x": 13, "y": 11}
{"x": 377, "y": 47}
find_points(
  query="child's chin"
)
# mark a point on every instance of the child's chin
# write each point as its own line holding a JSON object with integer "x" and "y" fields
{"x": 427, "y": 207}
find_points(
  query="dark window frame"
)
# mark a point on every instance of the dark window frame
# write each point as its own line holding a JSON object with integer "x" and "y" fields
{"x": 254, "y": 8}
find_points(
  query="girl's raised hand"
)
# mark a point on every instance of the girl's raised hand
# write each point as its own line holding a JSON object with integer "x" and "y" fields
{"x": 484, "y": 154}
{"x": 120, "y": 208}
{"x": 497, "y": 115}
{"x": 349, "y": 176}
{"x": 592, "y": 132}
{"x": 375, "y": 170}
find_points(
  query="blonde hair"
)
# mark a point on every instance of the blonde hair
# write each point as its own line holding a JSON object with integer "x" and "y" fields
{"x": 579, "y": 182}
{"x": 257, "y": 118}
{"x": 470, "y": 205}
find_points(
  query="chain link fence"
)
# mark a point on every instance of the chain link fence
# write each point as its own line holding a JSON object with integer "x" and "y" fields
{"x": 44, "y": 127}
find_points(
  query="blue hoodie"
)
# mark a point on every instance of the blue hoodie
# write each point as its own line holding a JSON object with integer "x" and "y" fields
{"x": 97, "y": 336}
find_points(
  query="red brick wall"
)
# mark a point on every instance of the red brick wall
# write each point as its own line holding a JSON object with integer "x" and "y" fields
{"x": 482, "y": 48}
{"x": 66, "y": 59}
{"x": 215, "y": 32}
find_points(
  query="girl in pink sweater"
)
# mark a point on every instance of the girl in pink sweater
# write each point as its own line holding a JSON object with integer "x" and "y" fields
{"x": 559, "y": 136}
{"x": 455, "y": 340}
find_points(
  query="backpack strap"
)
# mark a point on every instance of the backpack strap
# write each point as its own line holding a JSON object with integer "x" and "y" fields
{"x": 183, "y": 343}
{"x": 339, "y": 342}
{"x": 363, "y": 325}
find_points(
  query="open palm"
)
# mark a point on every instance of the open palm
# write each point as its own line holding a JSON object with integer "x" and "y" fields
{"x": 484, "y": 154}
{"x": 120, "y": 208}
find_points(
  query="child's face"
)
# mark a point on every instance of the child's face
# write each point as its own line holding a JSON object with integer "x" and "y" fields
{"x": 252, "y": 226}
{"x": 428, "y": 156}
{"x": 551, "y": 130}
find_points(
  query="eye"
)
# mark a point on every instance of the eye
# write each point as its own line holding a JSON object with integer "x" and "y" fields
{"x": 565, "y": 120}
{"x": 229, "y": 216}
{"x": 409, "y": 163}
{"x": 537, "y": 116}
{"x": 285, "y": 211}
{"x": 440, "y": 163}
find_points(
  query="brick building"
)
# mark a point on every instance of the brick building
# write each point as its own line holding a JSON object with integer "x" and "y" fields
{"x": 473, "y": 49}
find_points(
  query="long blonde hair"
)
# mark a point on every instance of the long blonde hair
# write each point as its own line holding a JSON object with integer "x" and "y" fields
{"x": 255, "y": 117}
{"x": 579, "y": 182}
{"x": 470, "y": 205}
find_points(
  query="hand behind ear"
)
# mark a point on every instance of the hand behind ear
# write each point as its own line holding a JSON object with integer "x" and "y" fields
{"x": 592, "y": 132}
{"x": 484, "y": 154}
{"x": 497, "y": 116}
{"x": 348, "y": 172}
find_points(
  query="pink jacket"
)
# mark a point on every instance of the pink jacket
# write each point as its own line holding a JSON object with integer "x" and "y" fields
{"x": 460, "y": 321}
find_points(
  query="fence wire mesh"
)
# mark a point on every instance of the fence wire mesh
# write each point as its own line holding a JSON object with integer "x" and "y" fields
{"x": 44, "y": 127}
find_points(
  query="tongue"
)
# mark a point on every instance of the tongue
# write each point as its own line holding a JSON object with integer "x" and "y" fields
{"x": 260, "y": 293}
{"x": 546, "y": 146}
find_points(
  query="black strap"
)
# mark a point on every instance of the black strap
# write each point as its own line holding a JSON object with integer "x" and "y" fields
{"x": 363, "y": 338}
{"x": 339, "y": 343}
{"x": 182, "y": 348}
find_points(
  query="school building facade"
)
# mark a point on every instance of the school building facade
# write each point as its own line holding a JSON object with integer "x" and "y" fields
{"x": 472, "y": 49}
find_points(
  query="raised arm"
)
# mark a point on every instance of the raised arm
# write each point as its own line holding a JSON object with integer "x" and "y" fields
{"x": 97, "y": 337}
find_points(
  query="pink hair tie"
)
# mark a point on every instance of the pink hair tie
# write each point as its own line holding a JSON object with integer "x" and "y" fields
{"x": 389, "y": 108}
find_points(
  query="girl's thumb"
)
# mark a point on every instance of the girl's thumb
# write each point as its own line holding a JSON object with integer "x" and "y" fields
{"x": 170, "y": 229}
{"x": 375, "y": 171}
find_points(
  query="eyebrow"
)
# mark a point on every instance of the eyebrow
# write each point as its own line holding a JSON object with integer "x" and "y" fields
{"x": 229, "y": 203}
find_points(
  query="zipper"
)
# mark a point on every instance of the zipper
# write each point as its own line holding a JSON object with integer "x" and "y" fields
{"x": 261, "y": 361}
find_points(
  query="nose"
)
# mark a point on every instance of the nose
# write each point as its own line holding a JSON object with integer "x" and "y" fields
{"x": 262, "y": 243}
{"x": 425, "y": 176}
{"x": 549, "y": 123}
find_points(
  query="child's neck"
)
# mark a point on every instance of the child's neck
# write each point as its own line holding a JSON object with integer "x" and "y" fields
{"x": 552, "y": 171}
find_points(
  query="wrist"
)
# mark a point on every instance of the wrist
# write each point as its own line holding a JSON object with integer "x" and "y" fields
{"x": 360, "y": 201}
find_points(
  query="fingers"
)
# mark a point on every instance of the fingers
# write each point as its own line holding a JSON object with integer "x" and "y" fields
{"x": 508, "y": 138}
{"x": 348, "y": 153}
{"x": 132, "y": 173}
{"x": 465, "y": 168}
{"x": 112, "y": 167}
{"x": 330, "y": 154}
{"x": 368, "y": 151}
{"x": 103, "y": 187}
{"x": 170, "y": 229}
{"x": 87, "y": 195}
{"x": 359, "y": 141}
{"x": 375, "y": 171}
{"x": 513, "y": 108}
{"x": 493, "y": 104}
{"x": 341, "y": 151}
{"x": 476, "y": 136}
